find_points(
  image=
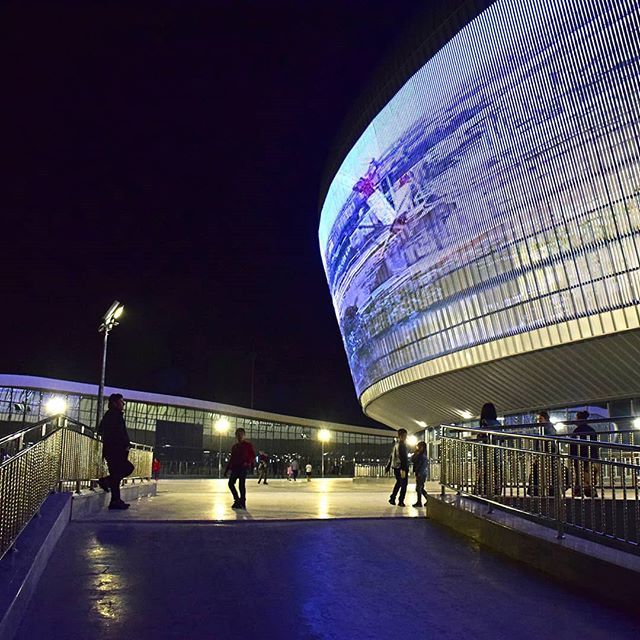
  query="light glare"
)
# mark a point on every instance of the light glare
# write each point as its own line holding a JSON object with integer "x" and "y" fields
{"x": 55, "y": 406}
{"x": 222, "y": 425}
{"x": 324, "y": 435}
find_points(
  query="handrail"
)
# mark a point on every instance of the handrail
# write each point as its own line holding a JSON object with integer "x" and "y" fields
{"x": 64, "y": 457}
{"x": 525, "y": 425}
{"x": 21, "y": 432}
{"x": 553, "y": 479}
{"x": 56, "y": 422}
{"x": 569, "y": 439}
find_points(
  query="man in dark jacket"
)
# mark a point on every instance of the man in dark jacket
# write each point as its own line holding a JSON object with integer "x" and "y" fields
{"x": 399, "y": 462}
{"x": 115, "y": 449}
{"x": 586, "y": 459}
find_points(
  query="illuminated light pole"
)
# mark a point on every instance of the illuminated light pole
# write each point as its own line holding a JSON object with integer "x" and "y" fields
{"x": 109, "y": 321}
{"x": 324, "y": 435}
{"x": 221, "y": 426}
{"x": 412, "y": 441}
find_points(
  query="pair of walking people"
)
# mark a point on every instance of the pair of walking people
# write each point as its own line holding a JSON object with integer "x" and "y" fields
{"x": 399, "y": 462}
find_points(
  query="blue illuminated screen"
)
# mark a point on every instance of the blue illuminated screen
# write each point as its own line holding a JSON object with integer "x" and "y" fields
{"x": 497, "y": 192}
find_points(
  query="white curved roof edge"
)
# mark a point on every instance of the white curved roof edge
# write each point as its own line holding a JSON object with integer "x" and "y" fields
{"x": 67, "y": 386}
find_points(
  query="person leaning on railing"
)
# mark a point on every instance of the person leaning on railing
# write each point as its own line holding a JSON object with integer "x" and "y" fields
{"x": 539, "y": 461}
{"x": 488, "y": 421}
{"x": 586, "y": 468}
{"x": 115, "y": 450}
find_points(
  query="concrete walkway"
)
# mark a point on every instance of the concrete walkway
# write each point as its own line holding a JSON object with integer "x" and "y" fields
{"x": 317, "y": 580}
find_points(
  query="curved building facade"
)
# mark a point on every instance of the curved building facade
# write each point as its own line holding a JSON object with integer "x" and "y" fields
{"x": 481, "y": 239}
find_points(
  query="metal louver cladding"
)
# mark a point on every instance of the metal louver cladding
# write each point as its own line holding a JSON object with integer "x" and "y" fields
{"x": 481, "y": 239}
{"x": 593, "y": 370}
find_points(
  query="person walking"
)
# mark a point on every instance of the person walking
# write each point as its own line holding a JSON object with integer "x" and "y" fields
{"x": 295, "y": 467}
{"x": 421, "y": 469}
{"x": 399, "y": 462}
{"x": 240, "y": 463}
{"x": 308, "y": 469}
{"x": 115, "y": 450}
{"x": 263, "y": 466}
{"x": 155, "y": 469}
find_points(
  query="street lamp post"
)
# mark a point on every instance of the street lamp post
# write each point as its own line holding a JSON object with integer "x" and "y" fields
{"x": 109, "y": 321}
{"x": 324, "y": 435}
{"x": 221, "y": 426}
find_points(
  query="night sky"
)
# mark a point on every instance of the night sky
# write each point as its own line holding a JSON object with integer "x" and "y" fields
{"x": 171, "y": 156}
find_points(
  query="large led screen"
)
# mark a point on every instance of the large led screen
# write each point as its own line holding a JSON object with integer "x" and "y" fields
{"x": 497, "y": 192}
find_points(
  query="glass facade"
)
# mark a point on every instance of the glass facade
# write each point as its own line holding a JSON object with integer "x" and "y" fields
{"x": 498, "y": 192}
{"x": 185, "y": 437}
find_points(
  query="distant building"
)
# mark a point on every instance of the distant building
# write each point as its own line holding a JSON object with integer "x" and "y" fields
{"x": 183, "y": 430}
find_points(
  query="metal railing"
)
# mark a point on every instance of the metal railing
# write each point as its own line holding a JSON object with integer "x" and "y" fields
{"x": 586, "y": 486}
{"x": 54, "y": 454}
{"x": 362, "y": 470}
{"x": 377, "y": 470}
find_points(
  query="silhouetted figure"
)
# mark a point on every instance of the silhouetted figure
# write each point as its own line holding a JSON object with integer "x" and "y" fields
{"x": 489, "y": 421}
{"x": 240, "y": 463}
{"x": 543, "y": 462}
{"x": 263, "y": 466}
{"x": 421, "y": 470}
{"x": 399, "y": 462}
{"x": 585, "y": 469}
{"x": 295, "y": 467}
{"x": 115, "y": 450}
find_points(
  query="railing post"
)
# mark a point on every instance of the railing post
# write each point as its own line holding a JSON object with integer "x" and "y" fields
{"x": 443, "y": 462}
{"x": 558, "y": 490}
{"x": 490, "y": 472}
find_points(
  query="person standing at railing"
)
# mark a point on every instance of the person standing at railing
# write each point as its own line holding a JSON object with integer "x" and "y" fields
{"x": 399, "y": 462}
{"x": 421, "y": 469}
{"x": 585, "y": 469}
{"x": 489, "y": 421}
{"x": 540, "y": 461}
{"x": 115, "y": 450}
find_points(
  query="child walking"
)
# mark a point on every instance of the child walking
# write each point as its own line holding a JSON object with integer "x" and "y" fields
{"x": 421, "y": 469}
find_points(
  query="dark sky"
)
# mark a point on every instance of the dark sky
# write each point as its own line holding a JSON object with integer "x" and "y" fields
{"x": 170, "y": 156}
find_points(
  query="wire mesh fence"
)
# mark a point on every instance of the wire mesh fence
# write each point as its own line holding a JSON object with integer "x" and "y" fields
{"x": 52, "y": 455}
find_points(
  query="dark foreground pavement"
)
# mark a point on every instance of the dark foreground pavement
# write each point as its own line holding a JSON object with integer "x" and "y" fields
{"x": 309, "y": 580}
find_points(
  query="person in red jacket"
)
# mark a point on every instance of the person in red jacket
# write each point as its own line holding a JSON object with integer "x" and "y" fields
{"x": 242, "y": 459}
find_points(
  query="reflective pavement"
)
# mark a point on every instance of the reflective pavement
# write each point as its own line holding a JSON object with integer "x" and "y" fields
{"x": 317, "y": 580}
{"x": 206, "y": 500}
